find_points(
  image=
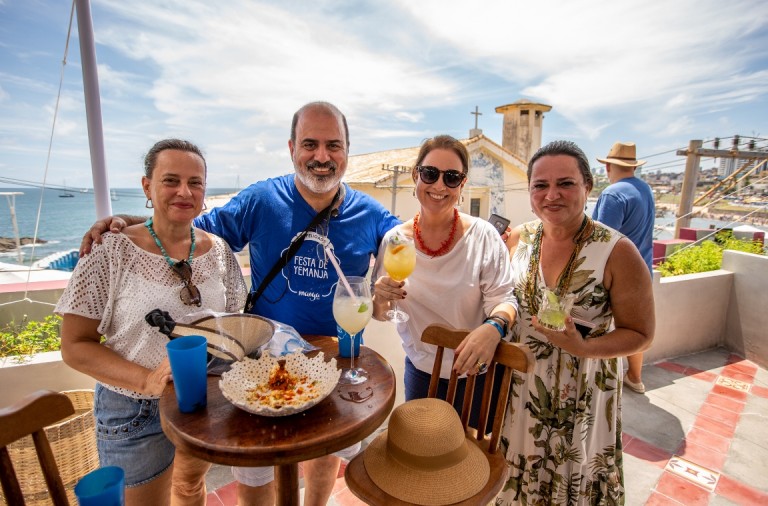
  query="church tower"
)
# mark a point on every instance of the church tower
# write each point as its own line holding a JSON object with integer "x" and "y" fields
{"x": 523, "y": 122}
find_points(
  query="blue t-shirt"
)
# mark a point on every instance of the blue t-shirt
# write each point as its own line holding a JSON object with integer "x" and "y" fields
{"x": 628, "y": 206}
{"x": 265, "y": 217}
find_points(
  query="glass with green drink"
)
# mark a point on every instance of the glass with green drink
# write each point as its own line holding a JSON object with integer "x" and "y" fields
{"x": 554, "y": 309}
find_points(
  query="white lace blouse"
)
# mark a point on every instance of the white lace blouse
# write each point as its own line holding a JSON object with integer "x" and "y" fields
{"x": 119, "y": 283}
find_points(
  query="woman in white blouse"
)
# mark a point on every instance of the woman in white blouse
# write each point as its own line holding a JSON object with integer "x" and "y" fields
{"x": 163, "y": 263}
{"x": 462, "y": 277}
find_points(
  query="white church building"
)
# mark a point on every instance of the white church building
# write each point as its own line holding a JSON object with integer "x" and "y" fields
{"x": 497, "y": 180}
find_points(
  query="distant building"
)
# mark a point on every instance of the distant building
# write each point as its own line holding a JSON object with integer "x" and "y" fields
{"x": 497, "y": 174}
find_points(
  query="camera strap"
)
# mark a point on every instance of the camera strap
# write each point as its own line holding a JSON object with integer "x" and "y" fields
{"x": 289, "y": 253}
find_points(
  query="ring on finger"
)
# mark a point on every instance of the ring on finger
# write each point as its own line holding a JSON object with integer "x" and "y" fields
{"x": 481, "y": 366}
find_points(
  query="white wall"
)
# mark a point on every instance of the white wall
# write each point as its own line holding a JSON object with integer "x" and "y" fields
{"x": 690, "y": 313}
{"x": 43, "y": 371}
{"x": 746, "y": 330}
{"x": 727, "y": 307}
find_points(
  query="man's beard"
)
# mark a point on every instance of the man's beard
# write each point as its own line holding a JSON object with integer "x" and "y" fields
{"x": 319, "y": 183}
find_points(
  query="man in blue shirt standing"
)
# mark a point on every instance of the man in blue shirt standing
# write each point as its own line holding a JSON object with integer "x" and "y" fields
{"x": 627, "y": 205}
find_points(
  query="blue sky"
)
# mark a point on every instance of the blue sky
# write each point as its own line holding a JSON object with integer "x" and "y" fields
{"x": 229, "y": 75}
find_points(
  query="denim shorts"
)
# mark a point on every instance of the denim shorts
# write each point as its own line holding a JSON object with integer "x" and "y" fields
{"x": 128, "y": 435}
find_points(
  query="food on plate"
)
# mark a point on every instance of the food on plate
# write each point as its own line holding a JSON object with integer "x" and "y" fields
{"x": 283, "y": 388}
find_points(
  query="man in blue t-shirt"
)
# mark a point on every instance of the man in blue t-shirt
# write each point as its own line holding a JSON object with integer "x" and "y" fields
{"x": 266, "y": 217}
{"x": 627, "y": 205}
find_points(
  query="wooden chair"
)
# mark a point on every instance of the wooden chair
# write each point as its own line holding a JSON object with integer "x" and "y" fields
{"x": 508, "y": 356}
{"x": 30, "y": 416}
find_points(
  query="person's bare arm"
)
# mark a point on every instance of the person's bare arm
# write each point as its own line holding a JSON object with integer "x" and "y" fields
{"x": 112, "y": 224}
{"x": 81, "y": 350}
{"x": 631, "y": 292}
{"x": 512, "y": 238}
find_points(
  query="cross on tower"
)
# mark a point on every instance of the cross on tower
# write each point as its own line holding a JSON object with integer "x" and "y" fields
{"x": 476, "y": 113}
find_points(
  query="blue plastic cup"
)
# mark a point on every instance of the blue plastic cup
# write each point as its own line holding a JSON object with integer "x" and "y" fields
{"x": 189, "y": 364}
{"x": 345, "y": 346}
{"x": 102, "y": 487}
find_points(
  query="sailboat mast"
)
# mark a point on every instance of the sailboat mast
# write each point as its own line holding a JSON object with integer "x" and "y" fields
{"x": 93, "y": 109}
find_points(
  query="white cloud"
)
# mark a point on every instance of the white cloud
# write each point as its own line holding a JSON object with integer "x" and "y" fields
{"x": 229, "y": 75}
{"x": 590, "y": 58}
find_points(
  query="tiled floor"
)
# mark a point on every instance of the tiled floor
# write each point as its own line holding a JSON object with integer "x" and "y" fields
{"x": 697, "y": 437}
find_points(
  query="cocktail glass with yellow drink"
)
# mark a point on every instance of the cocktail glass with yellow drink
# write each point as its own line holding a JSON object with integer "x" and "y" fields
{"x": 554, "y": 309}
{"x": 352, "y": 309}
{"x": 399, "y": 262}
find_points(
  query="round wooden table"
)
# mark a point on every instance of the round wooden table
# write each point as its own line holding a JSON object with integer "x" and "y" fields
{"x": 225, "y": 434}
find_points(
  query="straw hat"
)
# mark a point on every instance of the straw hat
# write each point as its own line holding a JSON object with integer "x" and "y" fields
{"x": 424, "y": 456}
{"x": 622, "y": 153}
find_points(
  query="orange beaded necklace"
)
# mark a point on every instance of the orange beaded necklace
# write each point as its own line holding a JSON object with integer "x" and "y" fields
{"x": 445, "y": 246}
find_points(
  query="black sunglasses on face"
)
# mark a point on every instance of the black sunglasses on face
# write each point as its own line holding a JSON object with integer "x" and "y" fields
{"x": 429, "y": 175}
{"x": 189, "y": 293}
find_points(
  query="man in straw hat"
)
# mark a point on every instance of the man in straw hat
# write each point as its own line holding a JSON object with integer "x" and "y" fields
{"x": 424, "y": 457}
{"x": 627, "y": 205}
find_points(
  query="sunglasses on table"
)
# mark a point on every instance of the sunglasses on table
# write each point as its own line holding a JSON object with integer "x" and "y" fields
{"x": 451, "y": 178}
{"x": 190, "y": 295}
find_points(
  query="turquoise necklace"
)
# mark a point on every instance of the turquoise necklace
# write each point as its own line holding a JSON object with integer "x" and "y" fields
{"x": 148, "y": 224}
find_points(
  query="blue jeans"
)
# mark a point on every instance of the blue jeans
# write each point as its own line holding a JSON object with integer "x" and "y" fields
{"x": 417, "y": 387}
{"x": 128, "y": 435}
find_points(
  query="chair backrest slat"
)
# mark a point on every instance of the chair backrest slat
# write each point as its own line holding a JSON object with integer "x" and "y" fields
{"x": 510, "y": 356}
{"x": 30, "y": 416}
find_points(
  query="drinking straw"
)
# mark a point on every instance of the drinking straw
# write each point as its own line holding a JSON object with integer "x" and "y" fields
{"x": 338, "y": 271}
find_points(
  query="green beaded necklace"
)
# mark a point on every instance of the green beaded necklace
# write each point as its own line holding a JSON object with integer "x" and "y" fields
{"x": 564, "y": 281}
{"x": 148, "y": 224}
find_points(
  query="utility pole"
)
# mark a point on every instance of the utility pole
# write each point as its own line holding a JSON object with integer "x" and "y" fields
{"x": 691, "y": 176}
{"x": 688, "y": 190}
{"x": 396, "y": 171}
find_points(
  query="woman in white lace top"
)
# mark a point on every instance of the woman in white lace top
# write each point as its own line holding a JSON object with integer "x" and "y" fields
{"x": 163, "y": 263}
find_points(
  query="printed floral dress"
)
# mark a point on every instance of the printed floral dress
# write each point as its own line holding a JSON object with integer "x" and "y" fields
{"x": 562, "y": 433}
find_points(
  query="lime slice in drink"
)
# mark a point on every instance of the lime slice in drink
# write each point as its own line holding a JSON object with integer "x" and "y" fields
{"x": 363, "y": 308}
{"x": 552, "y": 298}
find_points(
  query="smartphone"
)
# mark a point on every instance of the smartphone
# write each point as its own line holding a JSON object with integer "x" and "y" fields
{"x": 500, "y": 223}
{"x": 583, "y": 327}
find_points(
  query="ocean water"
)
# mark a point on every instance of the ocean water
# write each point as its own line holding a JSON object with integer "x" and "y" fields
{"x": 63, "y": 221}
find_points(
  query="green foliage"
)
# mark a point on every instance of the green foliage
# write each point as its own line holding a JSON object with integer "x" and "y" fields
{"x": 707, "y": 256}
{"x": 730, "y": 242}
{"x": 28, "y": 338}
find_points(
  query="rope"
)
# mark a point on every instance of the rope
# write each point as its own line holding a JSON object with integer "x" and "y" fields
{"x": 50, "y": 147}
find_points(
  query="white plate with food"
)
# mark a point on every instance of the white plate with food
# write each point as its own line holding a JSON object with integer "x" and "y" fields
{"x": 281, "y": 386}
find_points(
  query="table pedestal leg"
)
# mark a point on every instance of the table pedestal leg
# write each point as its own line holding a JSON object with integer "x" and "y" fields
{"x": 287, "y": 480}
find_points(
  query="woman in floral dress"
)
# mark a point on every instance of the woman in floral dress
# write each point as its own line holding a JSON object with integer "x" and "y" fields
{"x": 562, "y": 436}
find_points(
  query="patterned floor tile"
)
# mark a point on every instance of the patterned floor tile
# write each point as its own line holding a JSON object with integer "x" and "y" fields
{"x": 699, "y": 475}
{"x": 733, "y": 383}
